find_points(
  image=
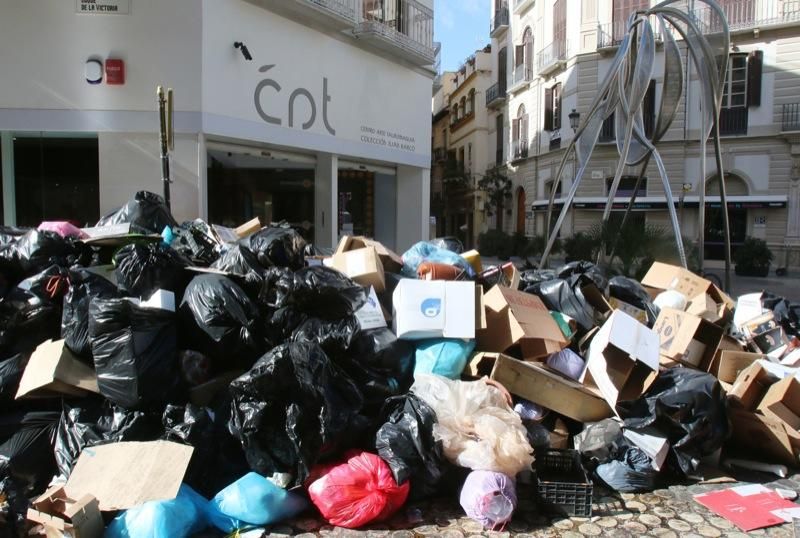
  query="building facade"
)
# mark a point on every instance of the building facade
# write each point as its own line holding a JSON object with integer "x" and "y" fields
{"x": 318, "y": 117}
{"x": 552, "y": 56}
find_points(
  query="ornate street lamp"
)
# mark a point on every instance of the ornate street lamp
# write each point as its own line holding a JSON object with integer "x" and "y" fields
{"x": 574, "y": 120}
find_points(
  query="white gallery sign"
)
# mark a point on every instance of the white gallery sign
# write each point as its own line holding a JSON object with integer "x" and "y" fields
{"x": 103, "y": 7}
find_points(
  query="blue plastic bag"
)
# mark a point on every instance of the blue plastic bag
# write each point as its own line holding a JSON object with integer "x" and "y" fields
{"x": 176, "y": 518}
{"x": 444, "y": 357}
{"x": 428, "y": 252}
{"x": 253, "y": 501}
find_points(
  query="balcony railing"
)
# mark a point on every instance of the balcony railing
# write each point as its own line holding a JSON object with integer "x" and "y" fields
{"x": 552, "y": 55}
{"x": 339, "y": 8}
{"x": 790, "y": 117}
{"x": 519, "y": 148}
{"x": 733, "y": 121}
{"x": 495, "y": 94}
{"x": 500, "y": 20}
{"x": 611, "y": 35}
{"x": 461, "y": 121}
{"x": 403, "y": 24}
{"x": 749, "y": 14}
{"x": 522, "y": 74}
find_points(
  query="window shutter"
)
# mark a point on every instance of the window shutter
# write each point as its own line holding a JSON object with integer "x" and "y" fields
{"x": 519, "y": 55}
{"x": 557, "y": 113}
{"x": 515, "y": 130}
{"x": 548, "y": 109}
{"x": 755, "y": 63}
{"x": 649, "y": 109}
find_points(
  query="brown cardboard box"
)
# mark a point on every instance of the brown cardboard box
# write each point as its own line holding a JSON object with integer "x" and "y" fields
{"x": 392, "y": 263}
{"x": 363, "y": 266}
{"x": 763, "y": 436}
{"x": 662, "y": 276}
{"x": 727, "y": 365}
{"x": 540, "y": 385}
{"x": 62, "y": 516}
{"x": 623, "y": 359}
{"x": 515, "y": 318}
{"x": 750, "y": 387}
{"x": 703, "y": 306}
{"x": 54, "y": 371}
{"x": 687, "y": 339}
{"x": 782, "y": 402}
{"x": 636, "y": 313}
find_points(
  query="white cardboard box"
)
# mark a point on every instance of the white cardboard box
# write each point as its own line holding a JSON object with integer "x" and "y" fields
{"x": 435, "y": 309}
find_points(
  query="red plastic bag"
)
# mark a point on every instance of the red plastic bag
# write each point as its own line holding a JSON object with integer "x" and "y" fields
{"x": 356, "y": 492}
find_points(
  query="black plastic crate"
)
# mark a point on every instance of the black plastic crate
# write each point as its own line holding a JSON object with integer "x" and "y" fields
{"x": 563, "y": 486}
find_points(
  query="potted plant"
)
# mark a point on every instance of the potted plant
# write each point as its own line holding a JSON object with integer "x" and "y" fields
{"x": 753, "y": 258}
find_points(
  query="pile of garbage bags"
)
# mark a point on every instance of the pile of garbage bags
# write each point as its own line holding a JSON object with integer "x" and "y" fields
{"x": 271, "y": 382}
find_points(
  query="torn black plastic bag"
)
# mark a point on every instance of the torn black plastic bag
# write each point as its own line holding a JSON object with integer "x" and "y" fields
{"x": 143, "y": 268}
{"x": 31, "y": 312}
{"x": 587, "y": 269}
{"x": 84, "y": 285}
{"x": 13, "y": 510}
{"x": 240, "y": 261}
{"x": 11, "y": 370}
{"x": 690, "y": 408}
{"x": 218, "y": 319}
{"x": 195, "y": 241}
{"x": 405, "y": 442}
{"x": 787, "y": 313}
{"x": 629, "y": 471}
{"x": 135, "y": 353}
{"x": 37, "y": 250}
{"x": 95, "y": 421}
{"x": 565, "y": 296}
{"x": 277, "y": 246}
{"x": 334, "y": 336}
{"x": 276, "y": 290}
{"x": 146, "y": 212}
{"x": 530, "y": 277}
{"x": 326, "y": 293}
{"x": 631, "y": 292}
{"x": 293, "y": 408}
{"x": 27, "y": 456}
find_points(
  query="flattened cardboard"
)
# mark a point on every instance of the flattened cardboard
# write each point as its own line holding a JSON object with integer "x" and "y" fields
{"x": 517, "y": 318}
{"x": 363, "y": 266}
{"x": 248, "y": 228}
{"x": 762, "y": 435}
{"x": 750, "y": 387}
{"x": 392, "y": 263}
{"x": 540, "y": 385}
{"x": 782, "y": 402}
{"x": 232, "y": 235}
{"x": 436, "y": 309}
{"x": 124, "y": 475}
{"x": 727, "y": 365}
{"x": 62, "y": 516}
{"x": 54, "y": 371}
{"x": 687, "y": 339}
{"x": 623, "y": 359}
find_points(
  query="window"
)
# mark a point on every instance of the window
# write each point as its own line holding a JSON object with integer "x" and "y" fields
{"x": 735, "y": 89}
{"x": 471, "y": 102}
{"x": 461, "y": 159}
{"x": 499, "y": 126}
{"x": 524, "y": 54}
{"x": 455, "y": 113}
{"x": 548, "y": 189}
{"x": 607, "y": 131}
{"x": 464, "y": 111}
{"x": 469, "y": 157}
{"x": 741, "y": 90}
{"x": 622, "y": 10}
{"x": 502, "y": 60}
{"x": 552, "y": 108}
{"x": 626, "y": 186}
{"x": 560, "y": 28}
{"x": 519, "y": 134}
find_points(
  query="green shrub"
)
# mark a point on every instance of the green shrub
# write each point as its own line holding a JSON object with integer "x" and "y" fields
{"x": 636, "y": 246}
{"x": 580, "y": 246}
{"x": 536, "y": 245}
{"x": 753, "y": 258}
{"x": 496, "y": 243}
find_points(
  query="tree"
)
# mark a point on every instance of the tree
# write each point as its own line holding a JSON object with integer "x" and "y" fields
{"x": 497, "y": 187}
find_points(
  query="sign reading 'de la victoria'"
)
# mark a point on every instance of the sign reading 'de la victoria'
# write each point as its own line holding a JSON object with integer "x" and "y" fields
{"x": 103, "y": 7}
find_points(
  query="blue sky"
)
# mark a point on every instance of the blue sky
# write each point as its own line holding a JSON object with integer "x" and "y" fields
{"x": 463, "y": 27}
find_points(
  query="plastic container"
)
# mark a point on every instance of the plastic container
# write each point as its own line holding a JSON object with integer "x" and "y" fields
{"x": 563, "y": 486}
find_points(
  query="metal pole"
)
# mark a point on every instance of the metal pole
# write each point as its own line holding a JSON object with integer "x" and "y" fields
{"x": 164, "y": 140}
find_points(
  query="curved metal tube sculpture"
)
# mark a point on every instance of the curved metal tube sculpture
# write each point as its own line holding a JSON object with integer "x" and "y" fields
{"x": 622, "y": 93}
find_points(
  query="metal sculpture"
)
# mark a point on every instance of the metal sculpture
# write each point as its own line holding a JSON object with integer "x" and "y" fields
{"x": 622, "y": 93}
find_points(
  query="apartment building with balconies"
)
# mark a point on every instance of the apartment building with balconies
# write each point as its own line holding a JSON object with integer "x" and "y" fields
{"x": 558, "y": 52}
{"x": 319, "y": 116}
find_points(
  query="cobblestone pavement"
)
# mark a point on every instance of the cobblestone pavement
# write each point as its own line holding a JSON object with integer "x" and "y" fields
{"x": 666, "y": 513}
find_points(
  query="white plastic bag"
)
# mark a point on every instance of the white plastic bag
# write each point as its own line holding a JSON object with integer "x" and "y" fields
{"x": 476, "y": 426}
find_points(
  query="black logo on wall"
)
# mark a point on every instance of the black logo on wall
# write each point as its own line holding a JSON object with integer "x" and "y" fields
{"x": 293, "y": 97}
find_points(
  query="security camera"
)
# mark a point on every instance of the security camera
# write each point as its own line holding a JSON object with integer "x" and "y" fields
{"x": 242, "y": 47}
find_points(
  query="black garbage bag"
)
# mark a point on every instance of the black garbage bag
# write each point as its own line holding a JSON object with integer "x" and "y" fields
{"x": 565, "y": 296}
{"x": 9, "y": 234}
{"x": 94, "y": 421}
{"x": 631, "y": 292}
{"x": 531, "y": 277}
{"x": 84, "y": 286}
{"x": 276, "y": 290}
{"x": 27, "y": 456}
{"x": 293, "y": 408}
{"x": 588, "y": 269}
{"x": 325, "y": 293}
{"x": 334, "y": 336}
{"x": 37, "y": 250}
{"x": 13, "y": 508}
{"x": 135, "y": 353}
{"x": 787, "y": 313}
{"x": 281, "y": 324}
{"x": 629, "y": 471}
{"x": 195, "y": 241}
{"x": 218, "y": 319}
{"x": 146, "y": 212}
{"x": 240, "y": 260}
{"x": 279, "y": 246}
{"x": 31, "y": 312}
{"x": 143, "y": 268}
{"x": 690, "y": 408}
{"x": 453, "y": 244}
{"x": 11, "y": 370}
{"x": 405, "y": 442}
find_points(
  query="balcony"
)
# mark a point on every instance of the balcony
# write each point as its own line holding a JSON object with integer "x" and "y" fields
{"x": 790, "y": 117}
{"x": 519, "y": 5}
{"x": 499, "y": 22}
{"x": 522, "y": 76}
{"x": 552, "y": 57}
{"x": 496, "y": 95}
{"x": 609, "y": 36}
{"x": 335, "y": 14}
{"x": 460, "y": 122}
{"x": 399, "y": 27}
{"x": 750, "y": 14}
{"x": 733, "y": 121}
{"x": 519, "y": 149}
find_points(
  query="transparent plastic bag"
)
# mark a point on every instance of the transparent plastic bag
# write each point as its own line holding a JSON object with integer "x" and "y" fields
{"x": 489, "y": 498}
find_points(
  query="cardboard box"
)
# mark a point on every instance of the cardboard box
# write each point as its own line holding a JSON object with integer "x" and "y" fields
{"x": 636, "y": 313}
{"x": 703, "y": 306}
{"x": 363, "y": 266}
{"x": 728, "y": 365}
{"x": 63, "y": 516}
{"x": 782, "y": 402}
{"x": 662, "y": 276}
{"x": 515, "y": 318}
{"x": 436, "y": 309}
{"x": 124, "y": 475}
{"x": 232, "y": 235}
{"x": 540, "y": 385}
{"x": 54, "y": 371}
{"x": 765, "y": 436}
{"x": 687, "y": 339}
{"x": 750, "y": 387}
{"x": 392, "y": 263}
{"x": 623, "y": 359}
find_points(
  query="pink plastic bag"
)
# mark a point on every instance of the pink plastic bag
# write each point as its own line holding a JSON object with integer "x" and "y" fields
{"x": 489, "y": 498}
{"x": 62, "y": 228}
{"x": 357, "y": 492}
